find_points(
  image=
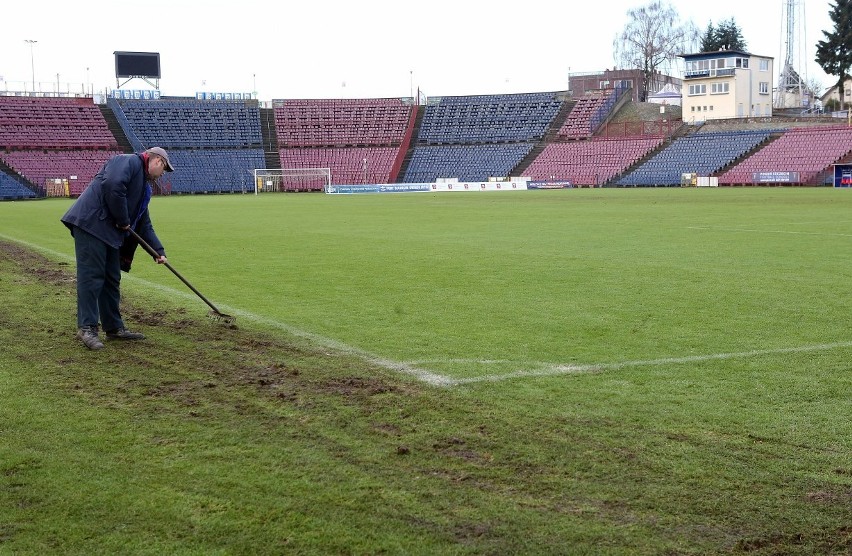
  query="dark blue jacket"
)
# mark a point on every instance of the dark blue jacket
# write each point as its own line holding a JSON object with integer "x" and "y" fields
{"x": 113, "y": 199}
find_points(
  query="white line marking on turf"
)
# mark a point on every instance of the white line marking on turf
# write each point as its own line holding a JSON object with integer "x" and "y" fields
{"x": 406, "y": 368}
{"x": 557, "y": 369}
{"x": 764, "y": 231}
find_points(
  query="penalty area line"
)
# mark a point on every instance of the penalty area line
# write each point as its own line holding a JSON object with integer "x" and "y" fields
{"x": 557, "y": 369}
{"x": 750, "y": 231}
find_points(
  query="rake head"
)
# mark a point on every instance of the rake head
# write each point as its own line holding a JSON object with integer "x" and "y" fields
{"x": 221, "y": 317}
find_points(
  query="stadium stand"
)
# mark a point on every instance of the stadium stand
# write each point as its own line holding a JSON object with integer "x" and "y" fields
{"x": 215, "y": 145}
{"x": 11, "y": 188}
{"x": 59, "y": 144}
{"x": 591, "y": 162}
{"x": 476, "y": 137}
{"x": 43, "y": 139}
{"x": 360, "y": 140}
{"x": 348, "y": 165}
{"x": 465, "y": 162}
{"x": 41, "y": 167}
{"x": 212, "y": 170}
{"x": 54, "y": 123}
{"x": 807, "y": 152}
{"x": 589, "y": 113}
{"x": 700, "y": 153}
{"x": 488, "y": 119}
{"x": 194, "y": 123}
{"x": 341, "y": 123}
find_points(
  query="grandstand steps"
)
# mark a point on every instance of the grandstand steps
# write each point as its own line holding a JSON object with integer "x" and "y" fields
{"x": 270, "y": 138}
{"x": 527, "y": 160}
{"x": 549, "y": 137}
{"x": 772, "y": 138}
{"x": 627, "y": 171}
{"x": 625, "y": 98}
{"x": 679, "y": 132}
{"x": 552, "y": 132}
{"x": 115, "y": 128}
{"x": 421, "y": 110}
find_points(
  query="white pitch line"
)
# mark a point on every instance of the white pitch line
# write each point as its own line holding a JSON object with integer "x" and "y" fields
{"x": 765, "y": 231}
{"x": 405, "y": 368}
{"x": 557, "y": 369}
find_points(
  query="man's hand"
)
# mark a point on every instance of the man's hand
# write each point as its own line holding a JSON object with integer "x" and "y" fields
{"x": 124, "y": 228}
{"x": 161, "y": 259}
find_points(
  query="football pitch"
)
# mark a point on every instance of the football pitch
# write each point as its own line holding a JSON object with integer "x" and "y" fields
{"x": 464, "y": 288}
{"x": 615, "y": 371}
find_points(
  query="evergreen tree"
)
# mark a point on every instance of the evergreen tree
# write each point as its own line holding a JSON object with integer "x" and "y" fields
{"x": 834, "y": 54}
{"x": 708, "y": 39}
{"x": 729, "y": 36}
{"x": 726, "y": 36}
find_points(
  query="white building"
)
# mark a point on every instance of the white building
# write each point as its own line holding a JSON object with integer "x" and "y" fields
{"x": 726, "y": 84}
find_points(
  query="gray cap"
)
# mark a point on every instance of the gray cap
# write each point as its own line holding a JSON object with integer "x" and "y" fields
{"x": 159, "y": 151}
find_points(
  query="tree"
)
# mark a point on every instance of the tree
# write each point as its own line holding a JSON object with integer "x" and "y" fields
{"x": 708, "y": 40}
{"x": 814, "y": 85}
{"x": 834, "y": 54}
{"x": 653, "y": 35}
{"x": 729, "y": 36}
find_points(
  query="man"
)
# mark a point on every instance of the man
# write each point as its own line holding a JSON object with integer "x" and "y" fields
{"x": 100, "y": 220}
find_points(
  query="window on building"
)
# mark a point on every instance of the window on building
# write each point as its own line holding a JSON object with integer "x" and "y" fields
{"x": 764, "y": 64}
{"x": 763, "y": 87}
{"x": 698, "y": 89}
{"x": 718, "y": 88}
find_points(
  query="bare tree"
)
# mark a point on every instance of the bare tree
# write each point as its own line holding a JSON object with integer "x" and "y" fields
{"x": 653, "y": 36}
{"x": 815, "y": 86}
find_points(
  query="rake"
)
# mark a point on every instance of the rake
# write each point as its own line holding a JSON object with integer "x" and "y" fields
{"x": 214, "y": 313}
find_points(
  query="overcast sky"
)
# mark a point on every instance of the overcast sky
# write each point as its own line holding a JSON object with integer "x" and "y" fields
{"x": 358, "y": 49}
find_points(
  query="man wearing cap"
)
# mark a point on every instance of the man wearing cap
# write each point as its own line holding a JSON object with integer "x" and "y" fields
{"x": 114, "y": 202}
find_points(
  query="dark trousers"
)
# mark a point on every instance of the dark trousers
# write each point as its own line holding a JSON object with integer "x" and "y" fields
{"x": 98, "y": 278}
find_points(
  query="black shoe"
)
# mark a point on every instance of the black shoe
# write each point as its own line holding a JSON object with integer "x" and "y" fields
{"x": 124, "y": 334}
{"x": 89, "y": 336}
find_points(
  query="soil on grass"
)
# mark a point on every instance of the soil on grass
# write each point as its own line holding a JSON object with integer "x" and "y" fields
{"x": 227, "y": 354}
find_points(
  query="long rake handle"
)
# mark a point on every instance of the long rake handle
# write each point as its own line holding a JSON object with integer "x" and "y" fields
{"x": 154, "y": 254}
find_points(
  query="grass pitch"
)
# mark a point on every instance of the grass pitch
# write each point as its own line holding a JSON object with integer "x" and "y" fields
{"x": 617, "y": 371}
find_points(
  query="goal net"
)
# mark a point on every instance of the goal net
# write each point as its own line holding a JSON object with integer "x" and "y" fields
{"x": 291, "y": 179}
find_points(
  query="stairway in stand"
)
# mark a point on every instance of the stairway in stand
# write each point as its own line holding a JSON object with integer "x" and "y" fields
{"x": 115, "y": 128}
{"x": 407, "y": 160}
{"x": 549, "y": 137}
{"x": 270, "y": 139}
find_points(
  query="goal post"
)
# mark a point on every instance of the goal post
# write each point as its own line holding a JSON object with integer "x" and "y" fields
{"x": 291, "y": 179}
